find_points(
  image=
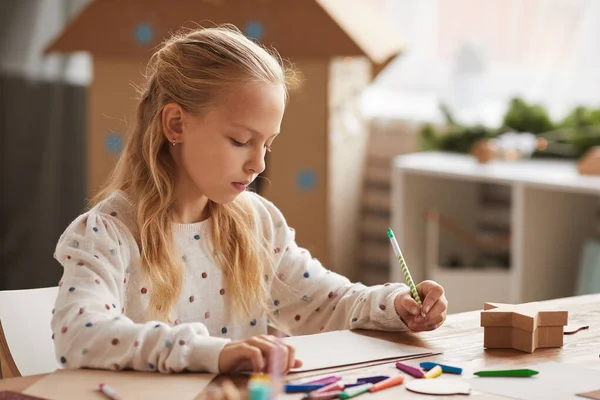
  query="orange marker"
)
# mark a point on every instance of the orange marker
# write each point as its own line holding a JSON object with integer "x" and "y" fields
{"x": 434, "y": 372}
{"x": 388, "y": 383}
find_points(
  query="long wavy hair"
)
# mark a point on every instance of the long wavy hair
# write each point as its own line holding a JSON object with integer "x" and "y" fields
{"x": 193, "y": 69}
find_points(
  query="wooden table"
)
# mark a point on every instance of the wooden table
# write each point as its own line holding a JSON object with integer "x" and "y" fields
{"x": 461, "y": 341}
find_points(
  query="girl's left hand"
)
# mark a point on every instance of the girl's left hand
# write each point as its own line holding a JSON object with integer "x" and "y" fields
{"x": 434, "y": 308}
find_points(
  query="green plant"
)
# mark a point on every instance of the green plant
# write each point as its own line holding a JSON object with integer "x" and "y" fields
{"x": 457, "y": 138}
{"x": 523, "y": 117}
{"x": 571, "y": 138}
{"x": 460, "y": 138}
{"x": 581, "y": 117}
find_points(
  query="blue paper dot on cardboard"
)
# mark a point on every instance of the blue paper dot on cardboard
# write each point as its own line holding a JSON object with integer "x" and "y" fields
{"x": 113, "y": 143}
{"x": 144, "y": 33}
{"x": 306, "y": 179}
{"x": 254, "y": 30}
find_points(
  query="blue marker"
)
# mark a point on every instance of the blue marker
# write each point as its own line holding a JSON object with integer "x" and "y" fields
{"x": 289, "y": 388}
{"x": 427, "y": 365}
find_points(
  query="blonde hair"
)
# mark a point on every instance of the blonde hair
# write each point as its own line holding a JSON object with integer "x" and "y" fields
{"x": 193, "y": 69}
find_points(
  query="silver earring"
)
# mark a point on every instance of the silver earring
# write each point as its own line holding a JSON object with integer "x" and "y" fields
{"x": 174, "y": 142}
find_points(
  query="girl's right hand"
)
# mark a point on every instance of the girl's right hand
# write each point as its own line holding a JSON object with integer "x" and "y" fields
{"x": 226, "y": 390}
{"x": 262, "y": 353}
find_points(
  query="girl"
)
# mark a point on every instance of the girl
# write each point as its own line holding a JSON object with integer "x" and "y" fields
{"x": 179, "y": 267}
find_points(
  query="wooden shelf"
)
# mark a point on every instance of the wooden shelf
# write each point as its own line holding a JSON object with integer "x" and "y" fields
{"x": 550, "y": 174}
{"x": 551, "y": 210}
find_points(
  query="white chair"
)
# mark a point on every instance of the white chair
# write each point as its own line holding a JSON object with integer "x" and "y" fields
{"x": 26, "y": 346}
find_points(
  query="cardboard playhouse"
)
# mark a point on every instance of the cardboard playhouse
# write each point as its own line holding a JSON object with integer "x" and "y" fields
{"x": 315, "y": 169}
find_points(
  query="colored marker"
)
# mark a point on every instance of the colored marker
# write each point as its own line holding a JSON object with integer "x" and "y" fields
{"x": 434, "y": 372}
{"x": 324, "y": 396}
{"x": 275, "y": 369}
{"x": 355, "y": 391}
{"x": 412, "y": 371}
{"x": 407, "y": 276}
{"x": 260, "y": 391}
{"x": 355, "y": 384}
{"x": 334, "y": 387}
{"x": 372, "y": 379}
{"x": 518, "y": 373}
{"x": 260, "y": 377}
{"x": 447, "y": 369}
{"x": 108, "y": 392}
{"x": 259, "y": 387}
{"x": 388, "y": 383}
{"x": 328, "y": 380}
{"x": 302, "y": 388}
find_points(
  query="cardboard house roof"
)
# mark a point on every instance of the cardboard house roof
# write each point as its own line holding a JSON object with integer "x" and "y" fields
{"x": 296, "y": 28}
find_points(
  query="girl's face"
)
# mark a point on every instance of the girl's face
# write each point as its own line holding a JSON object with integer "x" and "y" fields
{"x": 219, "y": 153}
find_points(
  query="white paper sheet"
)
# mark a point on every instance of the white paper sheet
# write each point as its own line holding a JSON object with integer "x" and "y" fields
{"x": 340, "y": 348}
{"x": 554, "y": 381}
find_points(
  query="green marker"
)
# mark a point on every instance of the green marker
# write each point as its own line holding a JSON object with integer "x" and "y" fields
{"x": 407, "y": 277}
{"x": 518, "y": 373}
{"x": 355, "y": 391}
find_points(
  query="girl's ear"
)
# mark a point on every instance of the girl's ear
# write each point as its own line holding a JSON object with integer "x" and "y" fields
{"x": 172, "y": 122}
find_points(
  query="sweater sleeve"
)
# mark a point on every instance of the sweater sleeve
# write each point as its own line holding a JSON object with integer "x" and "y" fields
{"x": 89, "y": 328}
{"x": 307, "y": 298}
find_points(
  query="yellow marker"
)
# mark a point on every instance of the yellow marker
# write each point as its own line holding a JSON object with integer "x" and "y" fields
{"x": 433, "y": 372}
{"x": 260, "y": 378}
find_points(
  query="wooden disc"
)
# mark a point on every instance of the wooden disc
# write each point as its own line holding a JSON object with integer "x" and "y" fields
{"x": 439, "y": 386}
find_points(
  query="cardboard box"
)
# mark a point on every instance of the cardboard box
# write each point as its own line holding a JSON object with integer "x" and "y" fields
{"x": 522, "y": 327}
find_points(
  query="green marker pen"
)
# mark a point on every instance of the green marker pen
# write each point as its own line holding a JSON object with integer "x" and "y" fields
{"x": 355, "y": 391}
{"x": 517, "y": 373}
{"x": 405, "y": 271}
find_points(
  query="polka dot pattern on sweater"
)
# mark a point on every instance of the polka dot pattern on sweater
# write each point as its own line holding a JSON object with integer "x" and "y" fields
{"x": 96, "y": 273}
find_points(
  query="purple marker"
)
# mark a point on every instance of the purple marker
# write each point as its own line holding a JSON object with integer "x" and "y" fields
{"x": 372, "y": 379}
{"x": 349, "y": 385}
{"x": 412, "y": 371}
{"x": 325, "y": 381}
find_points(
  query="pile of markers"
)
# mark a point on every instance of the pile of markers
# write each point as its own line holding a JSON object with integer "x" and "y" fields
{"x": 332, "y": 387}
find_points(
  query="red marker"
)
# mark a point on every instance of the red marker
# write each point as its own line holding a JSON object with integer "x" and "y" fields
{"x": 108, "y": 391}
